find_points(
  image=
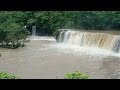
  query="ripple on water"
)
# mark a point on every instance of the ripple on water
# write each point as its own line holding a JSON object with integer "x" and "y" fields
{"x": 44, "y": 55}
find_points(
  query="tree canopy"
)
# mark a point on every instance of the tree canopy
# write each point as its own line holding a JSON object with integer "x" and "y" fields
{"x": 12, "y": 22}
{"x": 49, "y": 21}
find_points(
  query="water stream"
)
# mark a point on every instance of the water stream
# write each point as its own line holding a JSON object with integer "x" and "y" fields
{"x": 44, "y": 58}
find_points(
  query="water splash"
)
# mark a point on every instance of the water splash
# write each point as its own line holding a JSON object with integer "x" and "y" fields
{"x": 34, "y": 31}
{"x": 42, "y": 38}
{"x": 89, "y": 39}
{"x": 79, "y": 51}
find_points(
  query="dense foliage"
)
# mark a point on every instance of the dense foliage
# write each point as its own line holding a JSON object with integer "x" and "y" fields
{"x": 52, "y": 20}
{"x": 4, "y": 75}
{"x": 76, "y": 75}
{"x": 65, "y": 19}
{"x": 47, "y": 22}
{"x": 12, "y": 30}
{"x": 12, "y": 35}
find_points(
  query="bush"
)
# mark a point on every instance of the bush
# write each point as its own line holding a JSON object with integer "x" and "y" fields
{"x": 76, "y": 75}
{"x": 12, "y": 35}
{"x": 4, "y": 75}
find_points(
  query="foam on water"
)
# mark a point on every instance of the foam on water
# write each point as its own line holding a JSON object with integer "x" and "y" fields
{"x": 77, "y": 50}
{"x": 42, "y": 38}
{"x": 101, "y": 40}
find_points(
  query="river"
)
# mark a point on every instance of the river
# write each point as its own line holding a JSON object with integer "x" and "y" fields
{"x": 43, "y": 58}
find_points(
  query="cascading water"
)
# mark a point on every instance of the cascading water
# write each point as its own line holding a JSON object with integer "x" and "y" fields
{"x": 33, "y": 36}
{"x": 34, "y": 31}
{"x": 89, "y": 39}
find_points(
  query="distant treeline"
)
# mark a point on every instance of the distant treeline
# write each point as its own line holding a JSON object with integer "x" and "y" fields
{"x": 48, "y": 22}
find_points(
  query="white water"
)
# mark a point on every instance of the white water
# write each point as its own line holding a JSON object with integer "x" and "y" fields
{"x": 42, "y": 38}
{"x": 34, "y": 31}
{"x": 75, "y": 49}
{"x": 88, "y": 39}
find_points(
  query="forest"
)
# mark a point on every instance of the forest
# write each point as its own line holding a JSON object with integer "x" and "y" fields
{"x": 12, "y": 23}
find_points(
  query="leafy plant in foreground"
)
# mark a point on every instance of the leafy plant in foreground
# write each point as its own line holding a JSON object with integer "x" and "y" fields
{"x": 4, "y": 75}
{"x": 76, "y": 75}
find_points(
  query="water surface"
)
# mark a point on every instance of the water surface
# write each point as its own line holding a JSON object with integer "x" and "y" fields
{"x": 43, "y": 58}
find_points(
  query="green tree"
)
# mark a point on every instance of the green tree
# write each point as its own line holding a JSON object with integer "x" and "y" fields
{"x": 14, "y": 34}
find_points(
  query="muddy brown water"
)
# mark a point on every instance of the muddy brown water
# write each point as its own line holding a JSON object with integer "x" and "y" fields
{"x": 43, "y": 58}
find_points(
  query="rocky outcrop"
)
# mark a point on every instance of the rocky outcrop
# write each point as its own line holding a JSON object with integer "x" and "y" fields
{"x": 57, "y": 34}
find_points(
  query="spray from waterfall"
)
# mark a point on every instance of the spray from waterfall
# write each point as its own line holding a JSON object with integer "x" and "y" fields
{"x": 89, "y": 39}
{"x": 34, "y": 31}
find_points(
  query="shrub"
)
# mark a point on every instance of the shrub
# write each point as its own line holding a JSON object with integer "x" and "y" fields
{"x": 12, "y": 35}
{"x": 4, "y": 75}
{"x": 76, "y": 75}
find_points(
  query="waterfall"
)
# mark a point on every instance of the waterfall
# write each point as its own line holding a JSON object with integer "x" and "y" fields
{"x": 89, "y": 39}
{"x": 34, "y": 31}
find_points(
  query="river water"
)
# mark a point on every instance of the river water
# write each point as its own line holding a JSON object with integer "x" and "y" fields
{"x": 43, "y": 58}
